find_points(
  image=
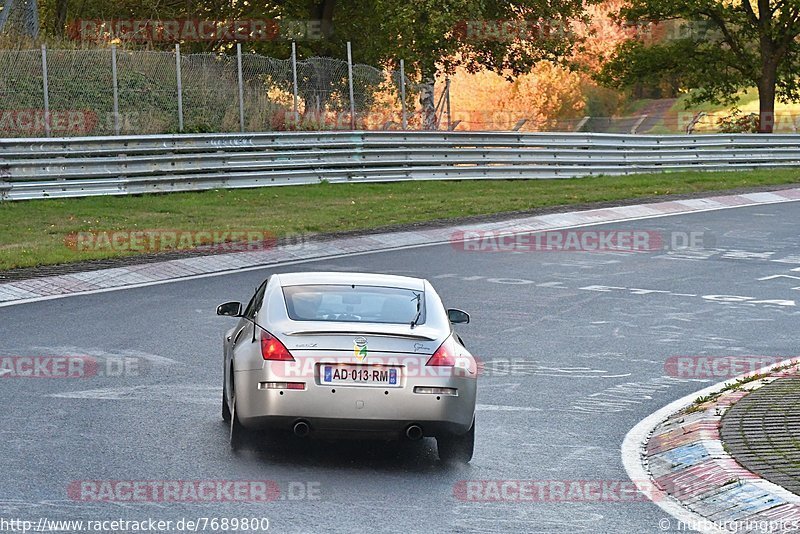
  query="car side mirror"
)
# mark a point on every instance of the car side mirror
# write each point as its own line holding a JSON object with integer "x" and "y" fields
{"x": 230, "y": 309}
{"x": 457, "y": 316}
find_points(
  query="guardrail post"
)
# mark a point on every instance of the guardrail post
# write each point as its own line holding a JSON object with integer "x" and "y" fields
{"x": 46, "y": 92}
{"x": 350, "y": 81}
{"x": 179, "y": 80}
{"x": 115, "y": 88}
{"x": 403, "y": 94}
{"x": 241, "y": 85}
{"x": 294, "y": 84}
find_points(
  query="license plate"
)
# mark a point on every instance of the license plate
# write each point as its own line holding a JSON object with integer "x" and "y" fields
{"x": 360, "y": 375}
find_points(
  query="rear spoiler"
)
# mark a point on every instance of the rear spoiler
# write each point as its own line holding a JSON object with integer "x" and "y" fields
{"x": 401, "y": 335}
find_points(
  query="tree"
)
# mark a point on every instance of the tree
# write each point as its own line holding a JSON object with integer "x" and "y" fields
{"x": 486, "y": 100}
{"x": 435, "y": 37}
{"x": 721, "y": 47}
{"x": 432, "y": 36}
{"x": 438, "y": 36}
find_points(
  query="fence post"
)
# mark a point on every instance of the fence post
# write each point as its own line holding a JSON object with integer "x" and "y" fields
{"x": 46, "y": 90}
{"x": 638, "y": 123}
{"x": 350, "y": 80}
{"x": 403, "y": 94}
{"x": 241, "y": 85}
{"x": 447, "y": 97}
{"x": 695, "y": 120}
{"x": 116, "y": 90}
{"x": 294, "y": 84}
{"x": 179, "y": 80}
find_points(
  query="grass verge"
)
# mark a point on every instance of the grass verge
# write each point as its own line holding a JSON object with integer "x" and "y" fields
{"x": 34, "y": 233}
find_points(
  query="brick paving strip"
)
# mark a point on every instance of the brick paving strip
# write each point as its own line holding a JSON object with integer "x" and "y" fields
{"x": 733, "y": 459}
{"x": 129, "y": 276}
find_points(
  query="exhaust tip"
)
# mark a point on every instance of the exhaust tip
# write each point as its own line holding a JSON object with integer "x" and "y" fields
{"x": 301, "y": 429}
{"x": 414, "y": 432}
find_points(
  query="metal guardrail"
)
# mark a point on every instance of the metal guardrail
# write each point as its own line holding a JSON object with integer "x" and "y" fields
{"x": 77, "y": 167}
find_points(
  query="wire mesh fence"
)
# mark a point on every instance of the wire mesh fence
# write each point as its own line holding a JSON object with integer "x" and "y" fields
{"x": 148, "y": 92}
{"x": 114, "y": 91}
{"x": 117, "y": 91}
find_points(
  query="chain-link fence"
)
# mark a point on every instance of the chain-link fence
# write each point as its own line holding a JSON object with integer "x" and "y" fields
{"x": 116, "y": 91}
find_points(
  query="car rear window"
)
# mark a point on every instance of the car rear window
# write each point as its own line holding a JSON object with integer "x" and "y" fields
{"x": 354, "y": 303}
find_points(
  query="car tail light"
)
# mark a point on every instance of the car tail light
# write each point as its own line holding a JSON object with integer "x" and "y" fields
{"x": 273, "y": 349}
{"x": 445, "y": 355}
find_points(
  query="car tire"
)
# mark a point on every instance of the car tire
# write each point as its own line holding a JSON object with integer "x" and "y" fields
{"x": 237, "y": 431}
{"x": 457, "y": 449}
{"x": 226, "y": 410}
{"x": 237, "y": 434}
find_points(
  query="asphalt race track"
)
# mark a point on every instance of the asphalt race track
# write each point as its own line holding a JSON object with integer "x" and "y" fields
{"x": 575, "y": 346}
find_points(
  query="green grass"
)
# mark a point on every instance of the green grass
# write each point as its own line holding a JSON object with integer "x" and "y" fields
{"x": 33, "y": 232}
{"x": 698, "y": 403}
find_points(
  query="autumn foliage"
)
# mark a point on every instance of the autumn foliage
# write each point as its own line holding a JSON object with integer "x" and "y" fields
{"x": 486, "y": 100}
{"x": 550, "y": 95}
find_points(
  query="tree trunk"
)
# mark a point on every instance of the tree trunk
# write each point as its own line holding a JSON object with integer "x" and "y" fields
{"x": 426, "y": 100}
{"x": 766, "y": 86}
{"x": 766, "y": 101}
{"x": 61, "y": 18}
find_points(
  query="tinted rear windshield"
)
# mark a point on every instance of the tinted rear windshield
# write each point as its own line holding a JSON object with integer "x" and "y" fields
{"x": 358, "y": 304}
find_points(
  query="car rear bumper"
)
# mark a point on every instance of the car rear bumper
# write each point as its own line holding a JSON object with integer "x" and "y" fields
{"x": 357, "y": 409}
{"x": 358, "y": 428}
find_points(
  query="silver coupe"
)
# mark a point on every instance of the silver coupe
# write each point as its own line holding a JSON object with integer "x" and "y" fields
{"x": 351, "y": 354}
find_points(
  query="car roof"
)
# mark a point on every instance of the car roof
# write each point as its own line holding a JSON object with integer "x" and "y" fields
{"x": 364, "y": 279}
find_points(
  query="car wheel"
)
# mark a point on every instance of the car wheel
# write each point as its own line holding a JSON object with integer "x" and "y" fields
{"x": 237, "y": 435}
{"x": 457, "y": 449}
{"x": 226, "y": 410}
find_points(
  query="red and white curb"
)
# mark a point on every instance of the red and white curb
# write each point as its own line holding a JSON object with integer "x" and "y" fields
{"x": 85, "y": 283}
{"x": 684, "y": 469}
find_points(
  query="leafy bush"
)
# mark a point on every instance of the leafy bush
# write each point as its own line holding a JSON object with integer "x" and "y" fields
{"x": 738, "y": 123}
